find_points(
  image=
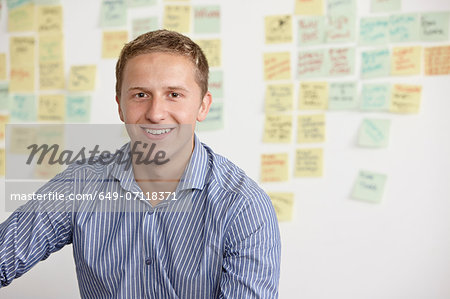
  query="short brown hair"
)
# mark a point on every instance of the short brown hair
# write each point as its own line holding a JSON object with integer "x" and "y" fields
{"x": 168, "y": 42}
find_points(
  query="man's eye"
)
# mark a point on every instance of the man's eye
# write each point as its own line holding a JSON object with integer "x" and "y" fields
{"x": 174, "y": 95}
{"x": 140, "y": 95}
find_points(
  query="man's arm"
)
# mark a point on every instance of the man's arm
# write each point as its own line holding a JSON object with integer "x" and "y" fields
{"x": 251, "y": 267}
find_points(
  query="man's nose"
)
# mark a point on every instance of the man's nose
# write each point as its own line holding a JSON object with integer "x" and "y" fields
{"x": 156, "y": 109}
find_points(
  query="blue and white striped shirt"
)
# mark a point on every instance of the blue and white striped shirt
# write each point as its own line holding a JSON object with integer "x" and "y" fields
{"x": 224, "y": 242}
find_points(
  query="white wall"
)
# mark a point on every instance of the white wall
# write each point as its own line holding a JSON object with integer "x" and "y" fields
{"x": 335, "y": 247}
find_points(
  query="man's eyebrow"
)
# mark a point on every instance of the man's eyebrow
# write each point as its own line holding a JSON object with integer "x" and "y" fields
{"x": 177, "y": 88}
{"x": 138, "y": 88}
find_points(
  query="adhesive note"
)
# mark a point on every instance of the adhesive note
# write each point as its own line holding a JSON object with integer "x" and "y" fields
{"x": 207, "y": 19}
{"x": 212, "y": 48}
{"x": 51, "y": 64}
{"x": 16, "y": 3}
{"x": 4, "y": 119}
{"x": 277, "y": 129}
{"x": 215, "y": 83}
{"x": 342, "y": 96}
{"x": 22, "y": 78}
{"x": 21, "y": 138}
{"x": 309, "y": 162}
{"x": 374, "y": 133}
{"x": 49, "y": 18}
{"x": 369, "y": 186}
{"x": 140, "y": 3}
{"x": 215, "y": 118}
{"x": 51, "y": 48}
{"x": 274, "y": 167}
{"x": 51, "y": 76}
{"x": 4, "y": 96}
{"x": 23, "y": 108}
{"x": 311, "y": 128}
{"x": 340, "y": 28}
{"x": 144, "y": 25}
{"x": 283, "y": 203}
{"x": 51, "y": 108}
{"x": 113, "y": 42}
{"x": 313, "y": 96}
{"x": 2, "y": 162}
{"x": 437, "y": 60}
{"x": 21, "y": 49}
{"x": 385, "y": 5}
{"x": 404, "y": 28}
{"x": 277, "y": 66}
{"x": 51, "y": 134}
{"x": 341, "y": 61}
{"x": 2, "y": 66}
{"x": 311, "y": 64}
{"x": 82, "y": 78}
{"x": 78, "y": 108}
{"x": 22, "y": 18}
{"x": 47, "y": 2}
{"x": 113, "y": 13}
{"x": 309, "y": 7}
{"x": 279, "y": 97}
{"x": 406, "y": 61}
{"x": 434, "y": 26}
{"x": 278, "y": 29}
{"x": 375, "y": 63}
{"x": 340, "y": 6}
{"x": 311, "y": 30}
{"x": 374, "y": 31}
{"x": 405, "y": 98}
{"x": 177, "y": 18}
{"x": 375, "y": 97}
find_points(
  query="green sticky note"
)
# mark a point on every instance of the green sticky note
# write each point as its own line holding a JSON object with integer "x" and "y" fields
{"x": 214, "y": 120}
{"x": 369, "y": 186}
{"x": 113, "y": 13}
{"x": 340, "y": 61}
{"x": 341, "y": 7}
{"x": 78, "y": 108}
{"x": 374, "y": 133}
{"x": 16, "y": 3}
{"x": 310, "y": 30}
{"x": 312, "y": 64}
{"x": 216, "y": 83}
{"x": 140, "y": 3}
{"x": 434, "y": 26}
{"x": 23, "y": 108}
{"x": 375, "y": 97}
{"x": 47, "y": 2}
{"x": 144, "y": 25}
{"x": 374, "y": 31}
{"x": 404, "y": 28}
{"x": 4, "y": 96}
{"x": 342, "y": 96}
{"x": 375, "y": 63}
{"x": 207, "y": 19}
{"x": 385, "y": 5}
{"x": 341, "y": 28}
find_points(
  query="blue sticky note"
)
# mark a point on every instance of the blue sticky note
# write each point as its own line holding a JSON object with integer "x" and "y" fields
{"x": 215, "y": 83}
{"x": 340, "y": 7}
{"x": 375, "y": 97}
{"x": 404, "y": 28}
{"x": 23, "y": 108}
{"x": 113, "y": 13}
{"x": 78, "y": 108}
{"x": 434, "y": 26}
{"x": 342, "y": 96}
{"x": 374, "y": 31}
{"x": 374, "y": 133}
{"x": 214, "y": 120}
{"x": 375, "y": 63}
{"x": 385, "y": 5}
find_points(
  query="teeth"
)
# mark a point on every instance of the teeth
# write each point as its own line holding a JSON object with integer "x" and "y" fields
{"x": 157, "y": 132}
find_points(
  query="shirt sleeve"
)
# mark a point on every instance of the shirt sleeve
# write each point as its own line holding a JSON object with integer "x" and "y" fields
{"x": 33, "y": 232}
{"x": 251, "y": 266}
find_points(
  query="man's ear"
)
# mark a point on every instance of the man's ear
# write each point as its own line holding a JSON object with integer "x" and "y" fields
{"x": 120, "y": 109}
{"x": 204, "y": 107}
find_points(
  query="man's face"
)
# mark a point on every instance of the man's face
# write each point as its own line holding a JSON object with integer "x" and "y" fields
{"x": 160, "y": 95}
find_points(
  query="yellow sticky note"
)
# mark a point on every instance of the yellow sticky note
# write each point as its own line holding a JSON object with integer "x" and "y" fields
{"x": 313, "y": 96}
{"x": 311, "y": 128}
{"x": 2, "y": 161}
{"x": 283, "y": 203}
{"x": 82, "y": 77}
{"x": 406, "y": 60}
{"x": 177, "y": 18}
{"x": 49, "y": 18}
{"x": 274, "y": 167}
{"x": 21, "y": 138}
{"x": 22, "y": 18}
{"x": 51, "y": 48}
{"x": 22, "y": 78}
{"x": 213, "y": 51}
{"x": 279, "y": 97}
{"x": 308, "y": 162}
{"x": 405, "y": 98}
{"x": 2, "y": 66}
{"x": 51, "y": 76}
{"x": 437, "y": 60}
{"x": 309, "y": 7}
{"x": 278, "y": 129}
{"x": 52, "y": 108}
{"x": 277, "y": 66}
{"x": 278, "y": 29}
{"x": 4, "y": 119}
{"x": 21, "y": 49}
{"x": 113, "y": 42}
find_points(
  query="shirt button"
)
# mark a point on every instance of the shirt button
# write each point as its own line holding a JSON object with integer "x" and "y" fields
{"x": 148, "y": 261}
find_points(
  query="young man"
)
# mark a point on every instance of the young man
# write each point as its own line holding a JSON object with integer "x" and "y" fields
{"x": 215, "y": 237}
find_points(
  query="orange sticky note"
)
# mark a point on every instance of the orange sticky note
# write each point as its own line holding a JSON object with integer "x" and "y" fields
{"x": 437, "y": 60}
{"x": 406, "y": 60}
